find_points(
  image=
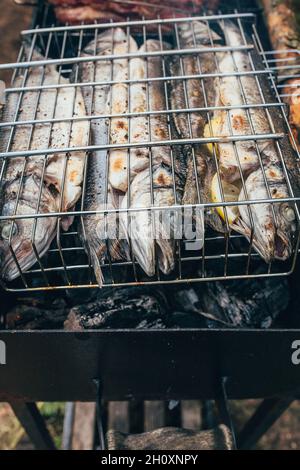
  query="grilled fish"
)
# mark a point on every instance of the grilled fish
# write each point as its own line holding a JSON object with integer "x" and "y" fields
{"x": 99, "y": 232}
{"x": 35, "y": 184}
{"x": 150, "y": 233}
{"x": 119, "y": 126}
{"x": 273, "y": 224}
{"x": 124, "y": 165}
{"x": 192, "y": 93}
{"x": 234, "y": 91}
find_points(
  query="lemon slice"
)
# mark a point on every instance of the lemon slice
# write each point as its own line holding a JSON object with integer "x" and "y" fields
{"x": 212, "y": 130}
{"x": 231, "y": 194}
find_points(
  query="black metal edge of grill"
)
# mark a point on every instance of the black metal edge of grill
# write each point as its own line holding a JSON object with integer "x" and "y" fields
{"x": 156, "y": 364}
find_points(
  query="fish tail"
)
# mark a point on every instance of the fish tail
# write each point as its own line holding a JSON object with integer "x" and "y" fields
{"x": 118, "y": 250}
{"x": 166, "y": 259}
{"x": 143, "y": 250}
{"x": 97, "y": 267}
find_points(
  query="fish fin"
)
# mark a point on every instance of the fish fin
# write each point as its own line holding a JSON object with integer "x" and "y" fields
{"x": 119, "y": 250}
{"x": 166, "y": 255}
{"x": 115, "y": 250}
{"x": 125, "y": 251}
{"x": 66, "y": 222}
{"x": 143, "y": 250}
{"x": 145, "y": 256}
{"x": 116, "y": 197}
{"x": 214, "y": 221}
{"x": 97, "y": 267}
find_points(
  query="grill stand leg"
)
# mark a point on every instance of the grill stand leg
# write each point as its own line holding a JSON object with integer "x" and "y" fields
{"x": 34, "y": 424}
{"x": 208, "y": 415}
{"x": 68, "y": 425}
{"x": 263, "y": 418}
{"x": 99, "y": 422}
{"x": 223, "y": 409}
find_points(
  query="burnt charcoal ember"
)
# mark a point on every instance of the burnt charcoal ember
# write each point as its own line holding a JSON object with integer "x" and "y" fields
{"x": 33, "y": 315}
{"x": 135, "y": 307}
{"x": 82, "y": 296}
{"x": 192, "y": 311}
{"x": 192, "y": 320}
{"x": 248, "y": 303}
{"x": 239, "y": 303}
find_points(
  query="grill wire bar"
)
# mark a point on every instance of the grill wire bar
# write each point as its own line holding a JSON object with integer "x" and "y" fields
{"x": 224, "y": 255}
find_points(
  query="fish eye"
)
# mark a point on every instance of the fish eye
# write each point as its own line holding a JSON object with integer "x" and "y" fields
{"x": 289, "y": 214}
{"x": 5, "y": 232}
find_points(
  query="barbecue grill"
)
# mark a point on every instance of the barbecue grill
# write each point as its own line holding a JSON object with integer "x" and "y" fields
{"x": 122, "y": 364}
{"x": 223, "y": 255}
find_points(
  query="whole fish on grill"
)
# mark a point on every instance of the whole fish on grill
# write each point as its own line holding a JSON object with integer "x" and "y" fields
{"x": 99, "y": 232}
{"x": 246, "y": 89}
{"x": 39, "y": 184}
{"x": 150, "y": 233}
{"x": 193, "y": 93}
{"x": 273, "y": 225}
{"x": 120, "y": 94}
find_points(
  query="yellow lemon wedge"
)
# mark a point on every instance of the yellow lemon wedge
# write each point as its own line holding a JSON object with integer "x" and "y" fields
{"x": 212, "y": 130}
{"x": 231, "y": 194}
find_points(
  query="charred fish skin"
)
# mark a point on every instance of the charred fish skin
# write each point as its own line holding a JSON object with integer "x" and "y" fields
{"x": 25, "y": 181}
{"x": 194, "y": 94}
{"x": 274, "y": 225}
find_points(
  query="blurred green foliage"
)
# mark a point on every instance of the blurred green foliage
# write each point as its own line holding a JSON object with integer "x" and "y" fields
{"x": 54, "y": 415}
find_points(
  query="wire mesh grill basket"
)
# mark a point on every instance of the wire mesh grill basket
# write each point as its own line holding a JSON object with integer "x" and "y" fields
{"x": 67, "y": 262}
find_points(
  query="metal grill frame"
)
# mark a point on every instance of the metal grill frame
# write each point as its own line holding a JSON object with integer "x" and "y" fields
{"x": 81, "y": 31}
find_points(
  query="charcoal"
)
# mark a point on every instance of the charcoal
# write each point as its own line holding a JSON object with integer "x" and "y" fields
{"x": 76, "y": 296}
{"x": 187, "y": 299}
{"x": 246, "y": 303}
{"x": 135, "y": 307}
{"x": 192, "y": 320}
{"x": 238, "y": 303}
{"x": 31, "y": 317}
{"x": 192, "y": 311}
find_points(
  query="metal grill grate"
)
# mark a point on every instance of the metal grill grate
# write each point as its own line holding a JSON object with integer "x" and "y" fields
{"x": 225, "y": 255}
{"x": 284, "y": 69}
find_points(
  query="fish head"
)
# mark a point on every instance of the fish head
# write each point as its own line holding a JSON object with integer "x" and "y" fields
{"x": 274, "y": 228}
{"x": 270, "y": 227}
{"x": 22, "y": 238}
{"x": 257, "y": 225}
{"x": 286, "y": 227}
